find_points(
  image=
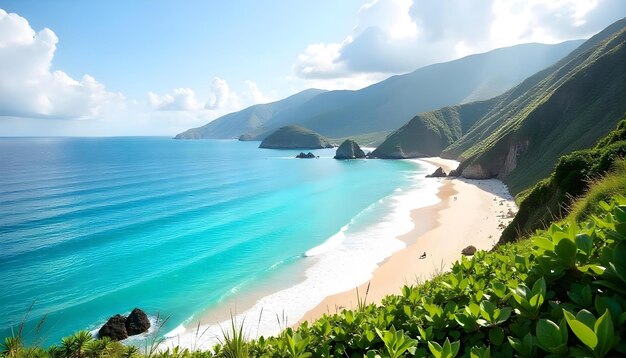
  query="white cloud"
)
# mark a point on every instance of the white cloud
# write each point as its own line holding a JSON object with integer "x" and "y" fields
{"x": 27, "y": 86}
{"x": 254, "y": 95}
{"x": 183, "y": 99}
{"x": 221, "y": 97}
{"x": 395, "y": 36}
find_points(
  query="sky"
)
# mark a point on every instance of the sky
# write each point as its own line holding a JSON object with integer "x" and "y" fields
{"x": 119, "y": 67}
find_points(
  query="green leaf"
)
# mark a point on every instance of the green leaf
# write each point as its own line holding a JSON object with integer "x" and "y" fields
{"x": 496, "y": 336}
{"x": 619, "y": 258}
{"x": 548, "y": 334}
{"x": 543, "y": 243}
{"x": 539, "y": 287}
{"x": 566, "y": 251}
{"x": 584, "y": 243}
{"x": 582, "y": 331}
{"x": 595, "y": 270}
{"x": 605, "y": 333}
{"x": 435, "y": 349}
{"x": 586, "y": 318}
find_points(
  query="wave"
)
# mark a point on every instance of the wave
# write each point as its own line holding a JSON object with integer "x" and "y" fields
{"x": 344, "y": 261}
{"x": 330, "y": 244}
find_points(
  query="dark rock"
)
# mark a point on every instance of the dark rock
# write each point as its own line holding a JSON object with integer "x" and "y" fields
{"x": 438, "y": 173}
{"x": 469, "y": 251}
{"x": 137, "y": 322}
{"x": 309, "y": 155}
{"x": 115, "y": 328}
{"x": 349, "y": 149}
{"x": 455, "y": 173}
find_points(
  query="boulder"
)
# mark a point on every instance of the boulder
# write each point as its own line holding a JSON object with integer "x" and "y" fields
{"x": 137, "y": 322}
{"x": 115, "y": 328}
{"x": 469, "y": 251}
{"x": 438, "y": 173}
{"x": 349, "y": 149}
{"x": 309, "y": 155}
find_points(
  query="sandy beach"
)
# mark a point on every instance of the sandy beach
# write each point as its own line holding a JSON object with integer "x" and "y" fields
{"x": 471, "y": 212}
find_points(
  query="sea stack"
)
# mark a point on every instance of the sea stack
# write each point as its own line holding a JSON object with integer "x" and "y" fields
{"x": 349, "y": 149}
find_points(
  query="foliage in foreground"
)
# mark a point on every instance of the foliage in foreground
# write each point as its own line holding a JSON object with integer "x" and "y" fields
{"x": 560, "y": 294}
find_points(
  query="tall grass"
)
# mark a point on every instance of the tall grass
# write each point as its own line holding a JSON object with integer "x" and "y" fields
{"x": 234, "y": 339}
{"x": 600, "y": 189}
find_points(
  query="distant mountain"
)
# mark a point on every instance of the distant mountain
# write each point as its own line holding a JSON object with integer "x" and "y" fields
{"x": 295, "y": 137}
{"x": 561, "y": 109}
{"x": 519, "y": 135}
{"x": 235, "y": 124}
{"x": 385, "y": 106}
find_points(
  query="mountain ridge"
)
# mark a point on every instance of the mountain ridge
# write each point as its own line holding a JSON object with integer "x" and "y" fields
{"x": 384, "y": 106}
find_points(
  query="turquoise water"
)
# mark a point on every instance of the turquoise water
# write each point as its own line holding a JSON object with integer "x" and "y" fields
{"x": 90, "y": 227}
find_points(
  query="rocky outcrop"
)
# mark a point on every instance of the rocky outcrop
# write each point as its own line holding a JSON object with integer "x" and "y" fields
{"x": 510, "y": 162}
{"x": 349, "y": 149}
{"x": 295, "y": 137}
{"x": 469, "y": 251}
{"x": 308, "y": 155}
{"x": 476, "y": 171}
{"x": 438, "y": 173}
{"x": 119, "y": 327}
{"x": 115, "y": 328}
{"x": 137, "y": 322}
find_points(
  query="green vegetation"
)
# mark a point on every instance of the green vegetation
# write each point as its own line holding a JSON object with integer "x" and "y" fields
{"x": 295, "y": 137}
{"x": 428, "y": 134}
{"x": 574, "y": 174}
{"x": 560, "y": 294}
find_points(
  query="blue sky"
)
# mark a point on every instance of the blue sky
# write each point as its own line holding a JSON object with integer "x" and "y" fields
{"x": 159, "y": 67}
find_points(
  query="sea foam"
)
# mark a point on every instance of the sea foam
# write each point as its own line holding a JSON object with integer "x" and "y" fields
{"x": 346, "y": 260}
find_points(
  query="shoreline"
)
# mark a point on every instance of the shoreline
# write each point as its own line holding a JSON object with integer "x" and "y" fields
{"x": 259, "y": 304}
{"x": 488, "y": 201}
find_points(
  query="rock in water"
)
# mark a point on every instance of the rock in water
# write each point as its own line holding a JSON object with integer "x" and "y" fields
{"x": 115, "y": 328}
{"x": 469, "y": 251}
{"x": 137, "y": 322}
{"x": 349, "y": 149}
{"x": 309, "y": 155}
{"x": 438, "y": 173}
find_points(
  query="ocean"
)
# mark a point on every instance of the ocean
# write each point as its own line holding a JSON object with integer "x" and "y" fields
{"x": 91, "y": 227}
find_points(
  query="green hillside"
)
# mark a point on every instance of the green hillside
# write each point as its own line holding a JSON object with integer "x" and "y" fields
{"x": 564, "y": 108}
{"x": 387, "y": 105}
{"x": 234, "y": 124}
{"x": 428, "y": 134}
{"x": 519, "y": 135}
{"x": 552, "y": 197}
{"x": 295, "y": 137}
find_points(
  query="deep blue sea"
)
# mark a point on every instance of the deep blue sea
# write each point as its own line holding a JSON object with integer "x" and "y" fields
{"x": 91, "y": 227}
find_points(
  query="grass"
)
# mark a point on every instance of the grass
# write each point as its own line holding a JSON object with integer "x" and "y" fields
{"x": 600, "y": 189}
